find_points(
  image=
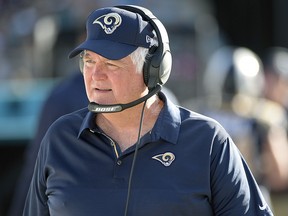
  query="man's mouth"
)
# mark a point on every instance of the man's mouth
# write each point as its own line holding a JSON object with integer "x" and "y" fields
{"x": 103, "y": 89}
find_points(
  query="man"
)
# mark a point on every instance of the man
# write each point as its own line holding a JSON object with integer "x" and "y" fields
{"x": 133, "y": 152}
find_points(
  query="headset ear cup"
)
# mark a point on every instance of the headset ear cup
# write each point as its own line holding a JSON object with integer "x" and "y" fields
{"x": 165, "y": 67}
{"x": 147, "y": 66}
{"x": 158, "y": 64}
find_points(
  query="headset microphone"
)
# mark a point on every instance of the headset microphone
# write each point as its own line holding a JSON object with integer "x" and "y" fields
{"x": 111, "y": 108}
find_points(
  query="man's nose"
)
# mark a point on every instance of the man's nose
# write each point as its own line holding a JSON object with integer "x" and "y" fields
{"x": 99, "y": 72}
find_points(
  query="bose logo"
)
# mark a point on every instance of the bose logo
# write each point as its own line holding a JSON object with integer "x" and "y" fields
{"x": 104, "y": 109}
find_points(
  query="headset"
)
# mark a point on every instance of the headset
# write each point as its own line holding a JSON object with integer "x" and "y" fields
{"x": 158, "y": 63}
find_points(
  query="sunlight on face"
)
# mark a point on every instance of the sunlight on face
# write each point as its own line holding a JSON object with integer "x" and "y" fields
{"x": 111, "y": 81}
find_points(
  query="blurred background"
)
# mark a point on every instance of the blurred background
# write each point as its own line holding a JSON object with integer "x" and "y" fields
{"x": 37, "y": 35}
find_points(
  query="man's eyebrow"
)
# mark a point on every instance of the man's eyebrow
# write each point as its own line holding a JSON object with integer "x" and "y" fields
{"x": 85, "y": 54}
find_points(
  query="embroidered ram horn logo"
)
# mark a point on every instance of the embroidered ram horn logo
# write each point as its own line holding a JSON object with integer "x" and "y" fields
{"x": 166, "y": 159}
{"x": 109, "y": 22}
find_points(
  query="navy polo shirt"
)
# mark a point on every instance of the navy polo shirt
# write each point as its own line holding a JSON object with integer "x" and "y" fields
{"x": 186, "y": 165}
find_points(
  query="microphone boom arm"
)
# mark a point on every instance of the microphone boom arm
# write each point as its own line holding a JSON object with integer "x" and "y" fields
{"x": 111, "y": 108}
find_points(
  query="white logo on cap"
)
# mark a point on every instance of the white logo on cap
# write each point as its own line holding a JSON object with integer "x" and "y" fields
{"x": 109, "y": 22}
{"x": 151, "y": 41}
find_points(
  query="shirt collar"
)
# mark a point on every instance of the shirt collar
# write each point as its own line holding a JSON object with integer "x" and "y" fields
{"x": 88, "y": 122}
{"x": 167, "y": 126}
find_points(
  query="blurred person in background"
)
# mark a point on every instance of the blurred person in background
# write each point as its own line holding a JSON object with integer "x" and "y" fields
{"x": 233, "y": 94}
{"x": 275, "y": 62}
{"x": 49, "y": 61}
{"x": 67, "y": 96}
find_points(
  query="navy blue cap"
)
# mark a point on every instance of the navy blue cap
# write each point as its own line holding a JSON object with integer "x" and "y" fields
{"x": 114, "y": 33}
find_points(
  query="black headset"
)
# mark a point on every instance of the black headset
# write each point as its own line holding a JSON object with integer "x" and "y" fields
{"x": 158, "y": 64}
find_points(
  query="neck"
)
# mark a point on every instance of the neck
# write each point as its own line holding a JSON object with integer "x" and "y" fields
{"x": 131, "y": 116}
{"x": 123, "y": 126}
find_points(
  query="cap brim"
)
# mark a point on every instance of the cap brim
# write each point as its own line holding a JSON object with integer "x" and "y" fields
{"x": 108, "y": 49}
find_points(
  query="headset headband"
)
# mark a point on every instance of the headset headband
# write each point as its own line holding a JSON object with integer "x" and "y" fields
{"x": 158, "y": 64}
